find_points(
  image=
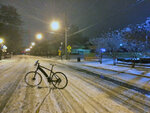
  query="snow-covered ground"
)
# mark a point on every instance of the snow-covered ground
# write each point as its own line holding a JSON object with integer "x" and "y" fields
{"x": 138, "y": 76}
{"x": 84, "y": 94}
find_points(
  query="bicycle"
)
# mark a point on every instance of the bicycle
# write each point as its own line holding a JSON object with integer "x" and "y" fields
{"x": 58, "y": 79}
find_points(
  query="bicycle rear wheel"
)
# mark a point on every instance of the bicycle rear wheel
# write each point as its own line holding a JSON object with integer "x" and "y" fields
{"x": 59, "y": 80}
{"x": 33, "y": 78}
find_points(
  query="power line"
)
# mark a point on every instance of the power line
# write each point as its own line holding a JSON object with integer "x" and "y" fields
{"x": 90, "y": 26}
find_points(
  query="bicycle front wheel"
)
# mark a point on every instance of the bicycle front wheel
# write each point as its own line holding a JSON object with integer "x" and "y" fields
{"x": 59, "y": 80}
{"x": 33, "y": 78}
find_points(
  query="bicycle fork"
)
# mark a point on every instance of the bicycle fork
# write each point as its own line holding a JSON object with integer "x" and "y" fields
{"x": 35, "y": 73}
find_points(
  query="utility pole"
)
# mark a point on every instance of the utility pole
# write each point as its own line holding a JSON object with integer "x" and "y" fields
{"x": 0, "y": 54}
{"x": 66, "y": 35}
{"x": 66, "y": 43}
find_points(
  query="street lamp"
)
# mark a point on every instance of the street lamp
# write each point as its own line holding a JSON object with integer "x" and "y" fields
{"x": 39, "y": 36}
{"x": 121, "y": 45}
{"x": 1, "y": 40}
{"x": 28, "y": 49}
{"x": 55, "y": 25}
{"x": 33, "y": 43}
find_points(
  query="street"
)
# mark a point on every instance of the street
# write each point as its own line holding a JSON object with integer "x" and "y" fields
{"x": 85, "y": 93}
{"x": 76, "y": 56}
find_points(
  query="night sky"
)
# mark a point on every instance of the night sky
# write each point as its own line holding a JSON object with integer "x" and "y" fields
{"x": 94, "y": 16}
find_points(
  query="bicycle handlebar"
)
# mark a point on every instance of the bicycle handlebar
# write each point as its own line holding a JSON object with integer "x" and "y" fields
{"x": 36, "y": 63}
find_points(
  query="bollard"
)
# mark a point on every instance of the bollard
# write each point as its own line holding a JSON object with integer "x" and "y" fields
{"x": 78, "y": 59}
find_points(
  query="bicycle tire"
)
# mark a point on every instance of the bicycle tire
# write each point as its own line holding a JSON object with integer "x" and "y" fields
{"x": 37, "y": 80}
{"x": 58, "y": 76}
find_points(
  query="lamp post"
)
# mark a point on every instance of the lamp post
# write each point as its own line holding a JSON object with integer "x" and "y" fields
{"x": 33, "y": 43}
{"x": 55, "y": 26}
{"x": 66, "y": 35}
{"x": 1, "y": 42}
{"x": 39, "y": 36}
{"x": 60, "y": 48}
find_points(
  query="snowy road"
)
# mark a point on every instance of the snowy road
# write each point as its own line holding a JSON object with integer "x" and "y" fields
{"x": 85, "y": 93}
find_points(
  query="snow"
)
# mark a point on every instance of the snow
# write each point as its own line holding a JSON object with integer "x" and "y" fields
{"x": 148, "y": 74}
{"x": 147, "y": 96}
{"x": 73, "y": 99}
{"x": 121, "y": 73}
{"x": 84, "y": 93}
{"x": 114, "y": 68}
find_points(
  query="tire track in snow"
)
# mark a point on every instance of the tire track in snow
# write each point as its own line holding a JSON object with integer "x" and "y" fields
{"x": 10, "y": 89}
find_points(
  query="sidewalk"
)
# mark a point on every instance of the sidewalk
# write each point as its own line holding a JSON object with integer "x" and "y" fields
{"x": 136, "y": 77}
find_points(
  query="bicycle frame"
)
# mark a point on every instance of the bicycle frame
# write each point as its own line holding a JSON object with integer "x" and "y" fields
{"x": 39, "y": 67}
{"x": 57, "y": 79}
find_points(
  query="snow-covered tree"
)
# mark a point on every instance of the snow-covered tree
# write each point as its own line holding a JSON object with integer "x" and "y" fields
{"x": 147, "y": 24}
{"x": 138, "y": 34}
{"x": 133, "y": 38}
{"x": 109, "y": 41}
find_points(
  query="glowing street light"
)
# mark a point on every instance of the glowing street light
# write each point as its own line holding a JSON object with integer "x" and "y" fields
{"x": 121, "y": 44}
{"x": 39, "y": 36}
{"x": 33, "y": 43}
{"x": 27, "y": 50}
{"x": 1, "y": 40}
{"x": 55, "y": 25}
{"x": 30, "y": 47}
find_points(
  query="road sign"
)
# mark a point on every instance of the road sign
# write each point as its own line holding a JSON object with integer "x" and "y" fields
{"x": 69, "y": 49}
{"x": 59, "y": 52}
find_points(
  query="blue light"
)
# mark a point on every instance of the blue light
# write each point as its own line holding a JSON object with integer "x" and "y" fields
{"x": 128, "y": 29}
{"x": 121, "y": 44}
{"x": 103, "y": 50}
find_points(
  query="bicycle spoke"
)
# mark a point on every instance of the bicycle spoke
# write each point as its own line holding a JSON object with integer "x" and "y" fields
{"x": 32, "y": 79}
